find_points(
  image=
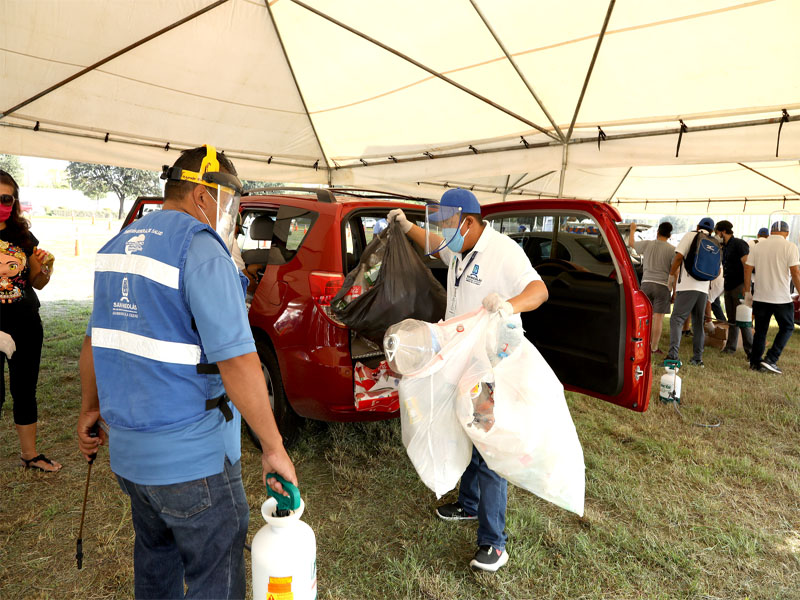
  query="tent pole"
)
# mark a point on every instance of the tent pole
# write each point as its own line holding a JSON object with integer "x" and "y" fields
{"x": 297, "y": 87}
{"x": 591, "y": 68}
{"x": 514, "y": 185}
{"x": 556, "y": 128}
{"x": 619, "y": 185}
{"x": 506, "y": 188}
{"x": 522, "y": 185}
{"x": 769, "y": 178}
{"x": 425, "y": 68}
{"x": 100, "y": 63}
{"x": 564, "y": 151}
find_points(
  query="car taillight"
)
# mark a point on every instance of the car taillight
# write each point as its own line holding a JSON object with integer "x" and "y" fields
{"x": 324, "y": 286}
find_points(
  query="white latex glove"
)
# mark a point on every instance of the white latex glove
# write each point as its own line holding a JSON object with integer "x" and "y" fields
{"x": 400, "y": 217}
{"x": 494, "y": 303}
{"x": 671, "y": 282}
{"x": 748, "y": 299}
{"x": 7, "y": 345}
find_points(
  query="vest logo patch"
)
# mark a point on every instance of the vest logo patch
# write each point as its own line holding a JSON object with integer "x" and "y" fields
{"x": 473, "y": 276}
{"x": 124, "y": 307}
{"x": 135, "y": 244}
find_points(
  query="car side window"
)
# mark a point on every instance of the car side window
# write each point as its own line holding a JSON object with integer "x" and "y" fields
{"x": 573, "y": 240}
{"x": 290, "y": 229}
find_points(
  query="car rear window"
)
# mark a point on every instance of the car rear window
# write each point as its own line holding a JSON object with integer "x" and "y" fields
{"x": 292, "y": 225}
{"x": 546, "y": 236}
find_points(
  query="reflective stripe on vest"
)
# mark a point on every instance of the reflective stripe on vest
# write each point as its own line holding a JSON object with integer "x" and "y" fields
{"x": 145, "y": 347}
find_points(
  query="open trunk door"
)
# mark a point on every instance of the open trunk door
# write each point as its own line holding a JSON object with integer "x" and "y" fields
{"x": 141, "y": 206}
{"x": 594, "y": 330}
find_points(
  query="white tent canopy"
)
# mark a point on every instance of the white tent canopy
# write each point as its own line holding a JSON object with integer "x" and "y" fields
{"x": 510, "y": 97}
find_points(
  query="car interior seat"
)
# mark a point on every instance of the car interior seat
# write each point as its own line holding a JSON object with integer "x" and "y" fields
{"x": 260, "y": 230}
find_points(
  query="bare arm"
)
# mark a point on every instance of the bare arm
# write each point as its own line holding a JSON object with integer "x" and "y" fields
{"x": 245, "y": 385}
{"x": 532, "y": 297}
{"x": 748, "y": 273}
{"x": 795, "y": 271}
{"x": 631, "y": 238}
{"x": 90, "y": 402}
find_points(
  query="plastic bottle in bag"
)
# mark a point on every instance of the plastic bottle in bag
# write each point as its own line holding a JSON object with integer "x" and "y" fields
{"x": 509, "y": 336}
{"x": 410, "y": 345}
{"x": 371, "y": 274}
{"x": 483, "y": 406}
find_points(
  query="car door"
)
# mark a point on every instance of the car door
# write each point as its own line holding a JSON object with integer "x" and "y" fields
{"x": 141, "y": 206}
{"x": 594, "y": 329}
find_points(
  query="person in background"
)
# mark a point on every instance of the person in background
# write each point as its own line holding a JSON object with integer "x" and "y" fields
{"x": 167, "y": 347}
{"x": 489, "y": 269}
{"x": 777, "y": 261}
{"x": 762, "y": 234}
{"x": 734, "y": 256}
{"x": 23, "y": 267}
{"x": 690, "y": 297}
{"x": 657, "y": 258}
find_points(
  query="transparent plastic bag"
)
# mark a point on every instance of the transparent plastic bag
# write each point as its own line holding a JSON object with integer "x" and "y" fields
{"x": 523, "y": 431}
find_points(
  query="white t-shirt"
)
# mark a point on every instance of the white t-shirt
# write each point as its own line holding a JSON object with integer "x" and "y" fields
{"x": 687, "y": 283}
{"x": 495, "y": 264}
{"x": 772, "y": 258}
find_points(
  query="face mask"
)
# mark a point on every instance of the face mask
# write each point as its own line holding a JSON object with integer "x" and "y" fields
{"x": 225, "y": 225}
{"x": 5, "y": 212}
{"x": 453, "y": 234}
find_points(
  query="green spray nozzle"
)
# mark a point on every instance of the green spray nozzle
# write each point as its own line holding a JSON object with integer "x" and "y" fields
{"x": 285, "y": 503}
{"x": 672, "y": 364}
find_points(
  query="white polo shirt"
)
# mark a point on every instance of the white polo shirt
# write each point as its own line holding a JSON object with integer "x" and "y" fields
{"x": 495, "y": 264}
{"x": 772, "y": 258}
{"x": 687, "y": 283}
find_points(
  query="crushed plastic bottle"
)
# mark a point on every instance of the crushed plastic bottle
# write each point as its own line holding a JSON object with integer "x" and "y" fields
{"x": 410, "y": 345}
{"x": 509, "y": 336}
{"x": 483, "y": 406}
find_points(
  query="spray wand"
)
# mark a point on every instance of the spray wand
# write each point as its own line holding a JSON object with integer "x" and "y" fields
{"x": 93, "y": 432}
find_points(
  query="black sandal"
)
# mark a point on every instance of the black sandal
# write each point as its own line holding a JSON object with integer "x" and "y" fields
{"x": 26, "y": 463}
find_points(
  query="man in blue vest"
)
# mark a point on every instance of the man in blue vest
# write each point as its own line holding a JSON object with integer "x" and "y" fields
{"x": 168, "y": 330}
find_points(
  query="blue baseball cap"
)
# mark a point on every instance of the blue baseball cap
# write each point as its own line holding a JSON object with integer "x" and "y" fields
{"x": 461, "y": 198}
{"x": 706, "y": 223}
{"x": 763, "y": 232}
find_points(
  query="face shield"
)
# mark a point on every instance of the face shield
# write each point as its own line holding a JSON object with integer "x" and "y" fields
{"x": 226, "y": 190}
{"x": 442, "y": 227}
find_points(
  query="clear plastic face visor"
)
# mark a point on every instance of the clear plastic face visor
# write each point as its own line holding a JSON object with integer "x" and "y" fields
{"x": 442, "y": 224}
{"x": 226, "y": 189}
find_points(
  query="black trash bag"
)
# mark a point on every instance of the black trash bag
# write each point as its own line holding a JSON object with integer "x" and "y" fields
{"x": 391, "y": 284}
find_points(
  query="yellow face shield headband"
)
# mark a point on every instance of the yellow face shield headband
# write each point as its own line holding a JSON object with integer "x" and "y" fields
{"x": 209, "y": 174}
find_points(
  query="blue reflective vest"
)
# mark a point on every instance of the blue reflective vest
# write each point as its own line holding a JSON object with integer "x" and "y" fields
{"x": 145, "y": 346}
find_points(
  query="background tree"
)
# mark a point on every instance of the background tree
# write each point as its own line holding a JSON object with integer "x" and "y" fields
{"x": 97, "y": 180}
{"x": 12, "y": 165}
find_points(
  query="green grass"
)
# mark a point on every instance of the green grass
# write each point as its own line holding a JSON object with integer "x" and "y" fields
{"x": 673, "y": 510}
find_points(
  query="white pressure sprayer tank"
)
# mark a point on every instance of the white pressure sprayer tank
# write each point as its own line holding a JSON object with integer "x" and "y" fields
{"x": 670, "y": 390}
{"x": 284, "y": 551}
{"x": 744, "y": 316}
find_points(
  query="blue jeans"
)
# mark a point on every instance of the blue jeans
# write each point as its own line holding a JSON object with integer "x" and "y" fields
{"x": 192, "y": 531}
{"x": 762, "y": 313}
{"x": 485, "y": 493}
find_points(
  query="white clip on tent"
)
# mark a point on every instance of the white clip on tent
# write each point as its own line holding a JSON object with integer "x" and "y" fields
{"x": 652, "y": 106}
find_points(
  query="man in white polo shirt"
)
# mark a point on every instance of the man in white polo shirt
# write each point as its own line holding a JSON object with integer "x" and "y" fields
{"x": 691, "y": 296}
{"x": 485, "y": 268}
{"x": 777, "y": 261}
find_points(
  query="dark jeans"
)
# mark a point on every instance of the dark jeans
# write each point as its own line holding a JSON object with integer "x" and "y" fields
{"x": 484, "y": 493}
{"x": 762, "y": 313}
{"x": 688, "y": 303}
{"x": 192, "y": 531}
{"x": 732, "y": 300}
{"x": 23, "y": 367}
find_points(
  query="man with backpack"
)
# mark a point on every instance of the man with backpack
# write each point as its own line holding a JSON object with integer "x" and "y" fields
{"x": 697, "y": 261}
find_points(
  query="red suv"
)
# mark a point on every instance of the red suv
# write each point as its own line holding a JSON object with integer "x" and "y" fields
{"x": 593, "y": 331}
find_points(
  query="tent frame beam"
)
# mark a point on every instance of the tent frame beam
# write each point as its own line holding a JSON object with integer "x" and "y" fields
{"x": 297, "y": 87}
{"x": 524, "y": 79}
{"x": 111, "y": 57}
{"x": 768, "y": 178}
{"x": 619, "y": 185}
{"x": 419, "y": 65}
